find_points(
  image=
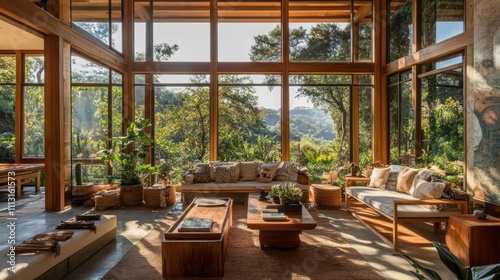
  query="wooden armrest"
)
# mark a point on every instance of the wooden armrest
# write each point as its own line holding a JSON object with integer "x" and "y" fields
{"x": 428, "y": 202}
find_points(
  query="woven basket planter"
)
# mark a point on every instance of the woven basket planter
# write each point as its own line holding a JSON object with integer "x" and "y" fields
{"x": 131, "y": 195}
{"x": 159, "y": 196}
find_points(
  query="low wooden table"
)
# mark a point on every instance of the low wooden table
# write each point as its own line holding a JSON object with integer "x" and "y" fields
{"x": 277, "y": 233}
{"x": 198, "y": 253}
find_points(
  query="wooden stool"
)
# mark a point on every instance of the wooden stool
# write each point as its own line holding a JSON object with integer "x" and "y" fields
{"x": 327, "y": 195}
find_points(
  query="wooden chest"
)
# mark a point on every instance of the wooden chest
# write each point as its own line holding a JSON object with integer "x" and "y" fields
{"x": 475, "y": 242}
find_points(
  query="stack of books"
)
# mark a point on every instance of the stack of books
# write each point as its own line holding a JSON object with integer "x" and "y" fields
{"x": 272, "y": 215}
{"x": 196, "y": 225}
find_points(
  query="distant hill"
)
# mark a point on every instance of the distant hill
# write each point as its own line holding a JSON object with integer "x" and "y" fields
{"x": 304, "y": 121}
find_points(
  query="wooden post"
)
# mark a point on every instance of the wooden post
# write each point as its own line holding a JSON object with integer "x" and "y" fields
{"x": 57, "y": 122}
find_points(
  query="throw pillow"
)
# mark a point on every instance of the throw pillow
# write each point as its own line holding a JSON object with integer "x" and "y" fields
{"x": 249, "y": 171}
{"x": 267, "y": 172}
{"x": 405, "y": 179}
{"x": 392, "y": 180}
{"x": 214, "y": 164}
{"x": 201, "y": 173}
{"x": 226, "y": 174}
{"x": 287, "y": 171}
{"x": 379, "y": 177}
{"x": 427, "y": 190}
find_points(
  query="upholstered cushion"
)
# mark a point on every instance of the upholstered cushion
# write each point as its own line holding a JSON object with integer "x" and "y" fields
{"x": 267, "y": 172}
{"x": 379, "y": 177}
{"x": 201, "y": 172}
{"x": 226, "y": 174}
{"x": 249, "y": 171}
{"x": 427, "y": 190}
{"x": 405, "y": 179}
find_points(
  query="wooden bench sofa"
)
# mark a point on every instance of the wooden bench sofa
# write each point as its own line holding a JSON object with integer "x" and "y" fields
{"x": 16, "y": 172}
{"x": 73, "y": 252}
{"x": 400, "y": 207}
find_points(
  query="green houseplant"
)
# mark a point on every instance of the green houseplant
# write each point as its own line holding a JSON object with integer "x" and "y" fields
{"x": 289, "y": 196}
{"x": 127, "y": 158}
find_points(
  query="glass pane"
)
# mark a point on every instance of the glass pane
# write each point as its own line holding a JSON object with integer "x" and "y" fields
{"x": 92, "y": 18}
{"x": 181, "y": 30}
{"x": 320, "y": 124}
{"x": 34, "y": 69}
{"x": 116, "y": 78}
{"x": 249, "y": 118}
{"x": 34, "y": 132}
{"x": 84, "y": 71}
{"x": 393, "y": 99}
{"x": 320, "y": 30}
{"x": 443, "y": 120}
{"x": 440, "y": 20}
{"x": 7, "y": 125}
{"x": 180, "y": 79}
{"x": 400, "y": 29}
{"x": 181, "y": 123}
{"x": 140, "y": 102}
{"x": 393, "y": 79}
{"x": 365, "y": 125}
{"x": 140, "y": 79}
{"x": 453, "y": 60}
{"x": 141, "y": 18}
{"x": 116, "y": 25}
{"x": 117, "y": 110}
{"x": 89, "y": 129}
{"x": 7, "y": 69}
{"x": 407, "y": 133}
{"x": 320, "y": 79}
{"x": 363, "y": 25}
{"x": 249, "y": 30}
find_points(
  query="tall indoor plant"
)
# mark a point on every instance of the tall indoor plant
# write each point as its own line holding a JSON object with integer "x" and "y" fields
{"x": 127, "y": 158}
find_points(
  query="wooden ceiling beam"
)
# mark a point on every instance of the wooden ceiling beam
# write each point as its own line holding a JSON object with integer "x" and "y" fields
{"x": 362, "y": 12}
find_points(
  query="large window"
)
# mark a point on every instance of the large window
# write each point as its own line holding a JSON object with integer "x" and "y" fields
{"x": 249, "y": 118}
{"x": 427, "y": 127}
{"x": 96, "y": 97}
{"x": 7, "y": 107}
{"x": 181, "y": 121}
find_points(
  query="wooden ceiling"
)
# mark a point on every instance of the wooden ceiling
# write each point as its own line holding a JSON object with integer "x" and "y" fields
{"x": 228, "y": 11}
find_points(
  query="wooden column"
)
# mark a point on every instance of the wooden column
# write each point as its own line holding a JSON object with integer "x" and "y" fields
{"x": 214, "y": 82}
{"x": 57, "y": 122}
{"x": 285, "y": 82}
{"x": 380, "y": 138}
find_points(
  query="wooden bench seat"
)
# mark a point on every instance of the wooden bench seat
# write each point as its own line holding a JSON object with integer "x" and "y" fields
{"x": 16, "y": 172}
{"x": 74, "y": 251}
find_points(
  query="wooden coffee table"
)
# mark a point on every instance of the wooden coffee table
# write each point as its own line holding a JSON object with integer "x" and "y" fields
{"x": 277, "y": 233}
{"x": 198, "y": 253}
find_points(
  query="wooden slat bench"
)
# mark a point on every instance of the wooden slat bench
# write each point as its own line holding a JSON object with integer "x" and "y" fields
{"x": 17, "y": 172}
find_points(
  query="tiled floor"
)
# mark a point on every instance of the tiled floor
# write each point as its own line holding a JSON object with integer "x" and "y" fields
{"x": 135, "y": 222}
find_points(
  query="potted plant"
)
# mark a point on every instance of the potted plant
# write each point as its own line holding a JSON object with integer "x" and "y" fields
{"x": 127, "y": 158}
{"x": 289, "y": 196}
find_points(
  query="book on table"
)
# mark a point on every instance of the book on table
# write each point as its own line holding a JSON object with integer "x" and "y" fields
{"x": 273, "y": 216}
{"x": 196, "y": 225}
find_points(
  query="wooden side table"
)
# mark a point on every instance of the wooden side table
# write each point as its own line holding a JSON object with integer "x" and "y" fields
{"x": 350, "y": 180}
{"x": 475, "y": 242}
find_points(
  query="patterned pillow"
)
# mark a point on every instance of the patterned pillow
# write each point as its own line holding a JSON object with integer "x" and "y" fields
{"x": 226, "y": 174}
{"x": 201, "y": 173}
{"x": 392, "y": 180}
{"x": 287, "y": 172}
{"x": 267, "y": 172}
{"x": 249, "y": 171}
{"x": 214, "y": 164}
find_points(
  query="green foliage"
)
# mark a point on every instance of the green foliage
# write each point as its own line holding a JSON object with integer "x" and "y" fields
{"x": 453, "y": 264}
{"x": 128, "y": 154}
{"x": 7, "y": 143}
{"x": 287, "y": 192}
